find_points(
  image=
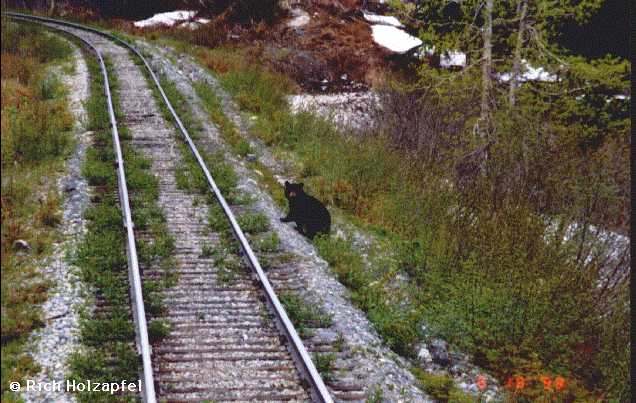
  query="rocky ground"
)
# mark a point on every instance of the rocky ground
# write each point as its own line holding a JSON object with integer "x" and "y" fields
{"x": 53, "y": 344}
{"x": 353, "y": 110}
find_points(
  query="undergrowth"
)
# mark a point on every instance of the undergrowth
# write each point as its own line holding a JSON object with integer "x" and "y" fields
{"x": 481, "y": 276}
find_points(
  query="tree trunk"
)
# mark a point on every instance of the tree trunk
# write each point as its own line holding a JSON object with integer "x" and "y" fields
{"x": 486, "y": 70}
{"x": 51, "y": 7}
{"x": 522, "y": 11}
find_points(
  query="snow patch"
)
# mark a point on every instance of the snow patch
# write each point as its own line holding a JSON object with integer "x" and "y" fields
{"x": 453, "y": 58}
{"x": 621, "y": 97}
{"x": 383, "y": 20}
{"x": 171, "y": 18}
{"x": 530, "y": 73}
{"x": 300, "y": 18}
{"x": 394, "y": 39}
{"x": 194, "y": 24}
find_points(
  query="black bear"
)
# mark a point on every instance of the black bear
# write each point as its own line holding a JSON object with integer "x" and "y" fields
{"x": 309, "y": 214}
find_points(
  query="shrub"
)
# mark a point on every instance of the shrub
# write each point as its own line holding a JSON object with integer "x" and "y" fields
{"x": 253, "y": 223}
{"x": 441, "y": 387}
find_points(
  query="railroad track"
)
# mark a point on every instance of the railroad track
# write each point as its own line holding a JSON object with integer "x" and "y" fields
{"x": 228, "y": 341}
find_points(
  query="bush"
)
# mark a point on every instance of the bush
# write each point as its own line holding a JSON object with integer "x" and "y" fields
{"x": 38, "y": 131}
{"x": 441, "y": 387}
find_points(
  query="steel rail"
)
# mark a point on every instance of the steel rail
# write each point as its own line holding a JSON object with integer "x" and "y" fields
{"x": 139, "y": 312}
{"x": 318, "y": 389}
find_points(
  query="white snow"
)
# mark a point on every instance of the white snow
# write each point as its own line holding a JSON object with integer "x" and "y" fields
{"x": 171, "y": 18}
{"x": 621, "y": 97}
{"x": 394, "y": 38}
{"x": 300, "y": 18}
{"x": 530, "y": 73}
{"x": 383, "y": 20}
{"x": 194, "y": 24}
{"x": 453, "y": 58}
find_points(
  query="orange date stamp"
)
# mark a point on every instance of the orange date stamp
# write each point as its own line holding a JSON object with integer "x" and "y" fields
{"x": 519, "y": 382}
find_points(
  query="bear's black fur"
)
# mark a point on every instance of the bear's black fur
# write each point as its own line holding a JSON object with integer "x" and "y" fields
{"x": 309, "y": 214}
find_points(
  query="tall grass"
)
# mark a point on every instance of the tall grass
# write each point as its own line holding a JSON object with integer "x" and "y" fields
{"x": 36, "y": 139}
{"x": 35, "y": 117}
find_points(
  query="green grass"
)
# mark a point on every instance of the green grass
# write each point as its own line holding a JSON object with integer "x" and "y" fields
{"x": 269, "y": 243}
{"x": 157, "y": 330}
{"x": 207, "y": 251}
{"x": 324, "y": 364}
{"x": 377, "y": 396}
{"x": 303, "y": 315}
{"x": 217, "y": 219}
{"x": 253, "y": 223}
{"x": 36, "y": 140}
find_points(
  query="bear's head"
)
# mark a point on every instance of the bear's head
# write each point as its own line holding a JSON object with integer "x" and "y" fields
{"x": 293, "y": 190}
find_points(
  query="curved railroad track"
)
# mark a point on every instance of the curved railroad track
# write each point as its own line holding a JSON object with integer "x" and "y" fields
{"x": 222, "y": 345}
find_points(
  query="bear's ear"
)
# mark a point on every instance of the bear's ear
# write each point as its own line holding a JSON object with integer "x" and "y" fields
{"x": 286, "y": 184}
{"x": 300, "y": 185}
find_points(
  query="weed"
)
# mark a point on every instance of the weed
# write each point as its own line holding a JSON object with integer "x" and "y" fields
{"x": 344, "y": 261}
{"x": 207, "y": 251}
{"x": 217, "y": 219}
{"x": 49, "y": 214}
{"x": 377, "y": 397}
{"x": 253, "y": 223}
{"x": 303, "y": 315}
{"x": 324, "y": 364}
{"x": 441, "y": 387}
{"x": 268, "y": 244}
{"x": 158, "y": 329}
{"x": 244, "y": 148}
{"x": 225, "y": 275}
{"x": 339, "y": 344}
